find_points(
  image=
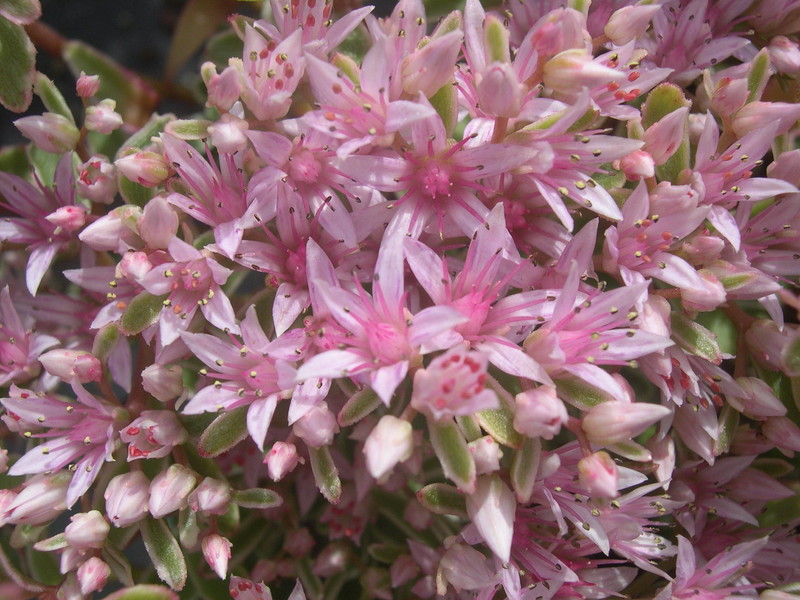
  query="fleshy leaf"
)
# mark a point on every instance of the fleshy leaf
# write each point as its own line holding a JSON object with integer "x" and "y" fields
{"x": 164, "y": 552}
{"x": 360, "y": 404}
{"x": 695, "y": 338}
{"x": 17, "y": 55}
{"x": 579, "y": 393}
{"x": 525, "y": 467}
{"x": 120, "y": 565}
{"x": 144, "y": 592}
{"x": 257, "y": 498}
{"x": 443, "y": 499}
{"x": 198, "y": 21}
{"x": 326, "y": 475}
{"x": 21, "y": 12}
{"x": 142, "y": 312}
{"x": 224, "y": 433}
{"x": 51, "y": 97}
{"x": 758, "y": 75}
{"x": 188, "y": 129}
{"x": 105, "y": 340}
{"x": 453, "y": 453}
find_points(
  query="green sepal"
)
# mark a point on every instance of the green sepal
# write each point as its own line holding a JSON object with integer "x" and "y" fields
{"x": 227, "y": 430}
{"x": 360, "y": 404}
{"x": 18, "y": 57}
{"x": 452, "y": 22}
{"x": 443, "y": 499}
{"x": 43, "y": 566}
{"x": 758, "y": 75}
{"x": 664, "y": 99}
{"x": 14, "y": 159}
{"x": 326, "y": 475}
{"x": 144, "y": 592}
{"x": 695, "y": 338}
{"x": 188, "y": 129}
{"x": 25, "y": 535}
{"x": 728, "y": 422}
{"x": 495, "y": 36}
{"x": 134, "y": 193}
{"x": 141, "y": 312}
{"x": 525, "y": 467}
{"x": 453, "y": 453}
{"x": 104, "y": 341}
{"x": 631, "y": 450}
{"x": 470, "y": 427}
{"x": 499, "y": 422}
{"x": 347, "y": 65}
{"x": 141, "y": 139}
{"x": 445, "y": 103}
{"x": 53, "y": 100}
{"x": 119, "y": 564}
{"x": 57, "y": 542}
{"x": 257, "y": 498}
{"x": 164, "y": 552}
{"x": 580, "y": 394}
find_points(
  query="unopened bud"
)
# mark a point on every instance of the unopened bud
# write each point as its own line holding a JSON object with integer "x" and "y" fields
{"x": 223, "y": 88}
{"x": 499, "y": 91}
{"x": 429, "y": 68}
{"x": 784, "y": 55}
{"x": 87, "y": 85}
{"x": 50, "y": 132}
{"x": 87, "y": 531}
{"x": 97, "y": 180}
{"x": 317, "y": 427}
{"x": 153, "y": 434}
{"x": 42, "y": 500}
{"x": 614, "y": 422}
{"x": 663, "y": 138}
{"x": 758, "y": 115}
{"x": 133, "y": 266}
{"x": 629, "y": 22}
{"x": 638, "y": 165}
{"x": 68, "y": 218}
{"x": 759, "y": 402}
{"x": 145, "y": 168}
{"x": 170, "y": 489}
{"x": 126, "y": 498}
{"x": 299, "y": 543}
{"x": 598, "y": 475}
{"x": 281, "y": 460}
{"x": 729, "y": 96}
{"x": 217, "y": 552}
{"x": 93, "y": 575}
{"x": 68, "y": 365}
{"x": 487, "y": 454}
{"x": 706, "y": 297}
{"x": 102, "y": 118}
{"x": 211, "y": 496}
{"x": 390, "y": 442}
{"x": 782, "y": 432}
{"x": 115, "y": 231}
{"x": 163, "y": 383}
{"x": 539, "y": 413}
{"x": 572, "y": 70}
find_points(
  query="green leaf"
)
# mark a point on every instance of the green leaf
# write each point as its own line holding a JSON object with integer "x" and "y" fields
{"x": 445, "y": 102}
{"x": 143, "y": 311}
{"x": 188, "y": 129}
{"x": 664, "y": 99}
{"x": 326, "y": 475}
{"x": 443, "y": 499}
{"x": 728, "y": 422}
{"x": 135, "y": 193}
{"x": 632, "y": 451}
{"x": 499, "y": 422}
{"x": 57, "y": 542}
{"x": 453, "y": 453}
{"x": 774, "y": 467}
{"x": 224, "y": 433}
{"x": 198, "y": 20}
{"x": 257, "y": 498}
{"x": 579, "y": 393}
{"x": 104, "y": 341}
{"x": 141, "y": 139}
{"x": 144, "y": 592}
{"x": 496, "y": 37}
{"x": 51, "y": 97}
{"x": 21, "y": 12}
{"x": 385, "y": 553}
{"x": 360, "y": 404}
{"x": 188, "y": 529}
{"x": 164, "y": 552}
{"x": 118, "y": 563}
{"x": 14, "y": 159}
{"x": 720, "y": 325}
{"x": 695, "y": 338}
{"x": 17, "y": 55}
{"x": 525, "y": 467}
{"x": 758, "y": 75}
{"x": 43, "y": 566}
{"x": 135, "y": 99}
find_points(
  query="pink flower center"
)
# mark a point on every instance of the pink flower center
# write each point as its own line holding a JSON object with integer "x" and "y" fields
{"x": 387, "y": 343}
{"x": 434, "y": 179}
{"x": 304, "y": 167}
{"x": 195, "y": 276}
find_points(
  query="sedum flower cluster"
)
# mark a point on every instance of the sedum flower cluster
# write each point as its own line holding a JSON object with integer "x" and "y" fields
{"x": 499, "y": 306}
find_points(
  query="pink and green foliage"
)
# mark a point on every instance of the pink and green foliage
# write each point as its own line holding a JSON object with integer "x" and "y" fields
{"x": 504, "y": 307}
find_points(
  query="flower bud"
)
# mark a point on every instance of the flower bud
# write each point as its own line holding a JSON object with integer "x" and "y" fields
{"x": 87, "y": 531}
{"x": 759, "y": 402}
{"x": 102, "y": 118}
{"x": 223, "y": 88}
{"x": 145, "y": 168}
{"x": 158, "y": 224}
{"x": 97, "y": 180}
{"x": 705, "y": 298}
{"x": 115, "y": 231}
{"x": 390, "y": 442}
{"x": 499, "y": 91}
{"x": 170, "y": 489}
{"x": 403, "y": 569}
{"x": 729, "y": 96}
{"x": 637, "y": 165}
{"x": 68, "y": 218}
{"x": 539, "y": 413}
{"x": 6, "y": 498}
{"x": 72, "y": 364}
{"x": 228, "y": 134}
{"x": 758, "y": 115}
{"x": 486, "y": 453}
{"x": 281, "y": 460}
{"x": 153, "y": 434}
{"x": 42, "y": 500}
{"x": 163, "y": 383}
{"x": 598, "y": 475}
{"x": 573, "y": 69}
{"x": 786, "y": 167}
{"x": 429, "y": 68}
{"x": 126, "y": 498}
{"x": 211, "y": 496}
{"x": 133, "y": 266}
{"x": 784, "y": 55}
{"x": 49, "y": 132}
{"x": 417, "y": 515}
{"x": 93, "y": 575}
{"x": 663, "y": 138}
{"x": 782, "y": 432}
{"x": 317, "y": 427}
{"x": 217, "y": 552}
{"x": 299, "y": 543}
{"x": 629, "y": 23}
{"x": 87, "y": 85}
{"x": 613, "y": 422}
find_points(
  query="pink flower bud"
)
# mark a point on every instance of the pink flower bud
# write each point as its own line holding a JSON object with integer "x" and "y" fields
{"x": 759, "y": 402}
{"x": 629, "y": 23}
{"x": 705, "y": 298}
{"x": 87, "y": 85}
{"x": 703, "y": 248}
{"x": 223, "y": 88}
{"x": 133, "y": 266}
{"x": 163, "y": 383}
{"x": 228, "y": 134}
{"x": 766, "y": 342}
{"x": 298, "y": 543}
{"x": 784, "y": 55}
{"x": 153, "y": 434}
{"x": 786, "y": 167}
{"x": 115, "y": 231}
{"x": 429, "y": 68}
{"x": 317, "y": 427}
{"x": 539, "y": 413}
{"x": 217, "y": 552}
{"x": 613, "y": 422}
{"x": 170, "y": 489}
{"x": 158, "y": 224}
{"x": 390, "y": 442}
{"x": 570, "y": 71}
{"x": 637, "y": 165}
{"x": 97, "y": 180}
{"x": 49, "y": 132}
{"x": 87, "y": 531}
{"x": 93, "y": 575}
{"x": 68, "y": 218}
{"x": 281, "y": 460}
{"x": 102, "y": 118}
{"x": 403, "y": 570}
{"x": 211, "y": 496}
{"x": 782, "y": 432}
{"x": 145, "y": 168}
{"x": 126, "y": 498}
{"x": 486, "y": 453}
{"x": 72, "y": 364}
{"x": 598, "y": 475}
{"x": 663, "y": 453}
{"x": 499, "y": 91}
{"x": 758, "y": 115}
{"x": 42, "y": 500}
{"x": 663, "y": 138}
{"x": 729, "y": 96}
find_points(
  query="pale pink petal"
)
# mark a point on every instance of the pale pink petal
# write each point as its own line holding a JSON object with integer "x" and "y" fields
{"x": 259, "y": 417}
{"x": 38, "y": 263}
{"x": 385, "y": 380}
{"x": 492, "y": 509}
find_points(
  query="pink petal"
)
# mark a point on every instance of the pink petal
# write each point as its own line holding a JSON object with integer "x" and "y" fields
{"x": 38, "y": 263}
{"x": 259, "y": 416}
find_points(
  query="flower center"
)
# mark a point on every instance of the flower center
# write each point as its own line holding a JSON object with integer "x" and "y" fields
{"x": 434, "y": 179}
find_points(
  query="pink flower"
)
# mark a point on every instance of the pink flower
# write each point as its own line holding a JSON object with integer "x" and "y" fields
{"x": 20, "y": 347}
{"x": 539, "y": 413}
{"x": 153, "y": 434}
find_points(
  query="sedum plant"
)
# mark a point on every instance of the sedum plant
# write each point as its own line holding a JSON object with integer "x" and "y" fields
{"x": 502, "y": 305}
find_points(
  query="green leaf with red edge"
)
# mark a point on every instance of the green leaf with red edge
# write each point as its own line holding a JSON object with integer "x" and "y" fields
{"x": 18, "y": 57}
{"x": 257, "y": 498}
{"x": 21, "y": 12}
{"x": 360, "y": 404}
{"x": 198, "y": 21}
